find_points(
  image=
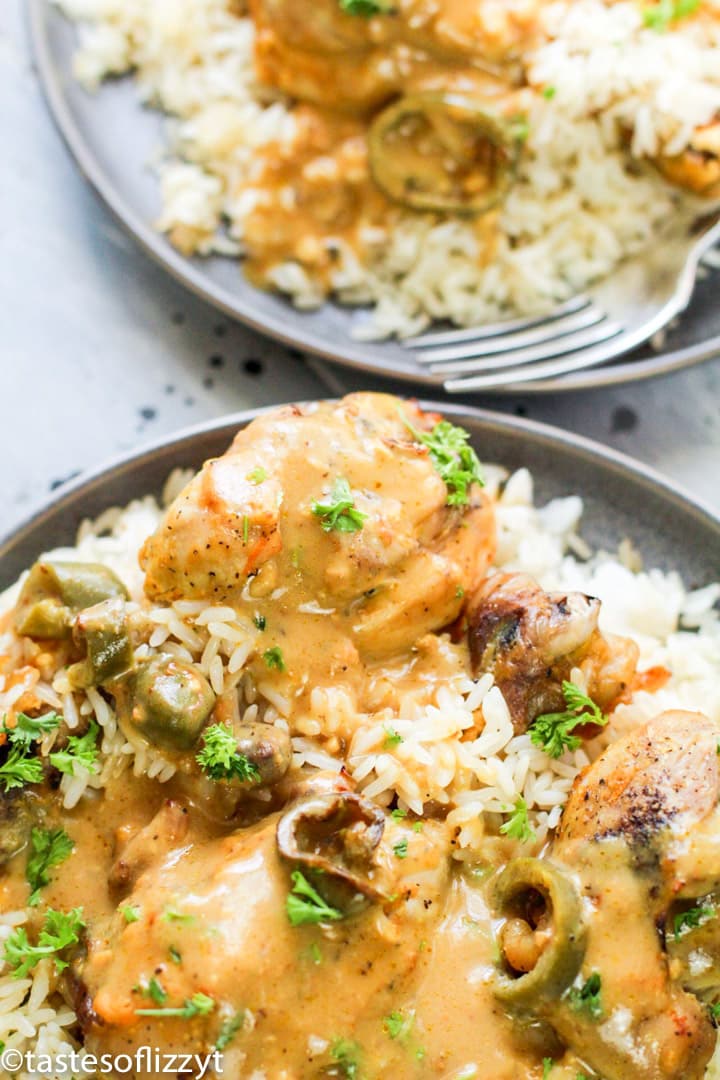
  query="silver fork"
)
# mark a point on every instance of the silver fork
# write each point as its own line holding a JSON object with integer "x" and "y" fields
{"x": 634, "y": 303}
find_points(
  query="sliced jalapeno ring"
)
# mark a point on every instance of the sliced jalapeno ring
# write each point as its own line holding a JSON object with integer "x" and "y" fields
{"x": 520, "y": 883}
{"x": 443, "y": 152}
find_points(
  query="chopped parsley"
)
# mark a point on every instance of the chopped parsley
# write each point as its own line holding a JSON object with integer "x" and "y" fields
{"x": 304, "y": 905}
{"x": 175, "y": 955}
{"x": 549, "y": 93}
{"x": 28, "y": 729}
{"x": 690, "y": 919}
{"x": 59, "y": 931}
{"x": 366, "y": 8}
{"x": 459, "y": 592}
{"x": 519, "y": 128}
{"x": 155, "y": 991}
{"x": 398, "y": 813}
{"x": 659, "y": 16}
{"x": 715, "y": 1011}
{"x": 21, "y": 767}
{"x": 260, "y": 621}
{"x": 454, "y": 459}
{"x": 274, "y": 658}
{"x": 48, "y": 848}
{"x": 554, "y": 732}
{"x": 346, "y": 1055}
{"x": 175, "y": 916}
{"x": 220, "y": 759}
{"x": 197, "y": 1005}
{"x": 518, "y": 826}
{"x": 548, "y": 1066}
{"x": 80, "y": 751}
{"x": 587, "y": 998}
{"x": 130, "y": 913}
{"x": 257, "y": 475}
{"x": 397, "y": 1025}
{"x": 392, "y": 738}
{"x": 339, "y": 514}
{"x": 246, "y": 529}
{"x": 229, "y": 1030}
{"x": 401, "y": 848}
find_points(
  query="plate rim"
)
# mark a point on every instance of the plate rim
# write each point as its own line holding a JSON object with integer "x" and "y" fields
{"x": 547, "y": 434}
{"x": 154, "y": 245}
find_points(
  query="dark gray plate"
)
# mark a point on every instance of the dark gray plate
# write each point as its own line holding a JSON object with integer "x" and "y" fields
{"x": 622, "y": 498}
{"x": 112, "y": 139}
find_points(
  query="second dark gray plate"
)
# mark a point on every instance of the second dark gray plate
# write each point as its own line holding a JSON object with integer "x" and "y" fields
{"x": 113, "y": 138}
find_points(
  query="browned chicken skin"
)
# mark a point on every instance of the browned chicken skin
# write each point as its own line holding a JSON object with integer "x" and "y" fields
{"x": 247, "y": 520}
{"x": 640, "y": 829}
{"x": 530, "y": 640}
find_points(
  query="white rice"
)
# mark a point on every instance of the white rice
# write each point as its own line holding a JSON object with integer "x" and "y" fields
{"x": 476, "y": 779}
{"x": 584, "y": 199}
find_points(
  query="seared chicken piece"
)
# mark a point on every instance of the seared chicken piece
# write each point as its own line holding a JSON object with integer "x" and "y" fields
{"x": 250, "y": 529}
{"x": 321, "y": 54}
{"x": 640, "y": 828}
{"x": 646, "y": 815}
{"x": 697, "y": 169}
{"x": 219, "y": 908}
{"x": 649, "y": 787}
{"x": 530, "y": 640}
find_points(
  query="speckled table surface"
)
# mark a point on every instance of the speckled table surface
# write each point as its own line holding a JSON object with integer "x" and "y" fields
{"x": 100, "y": 350}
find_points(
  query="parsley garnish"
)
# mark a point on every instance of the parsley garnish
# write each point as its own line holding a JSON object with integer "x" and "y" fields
{"x": 715, "y": 1011}
{"x": 19, "y": 770}
{"x": 80, "y": 750}
{"x": 274, "y": 658}
{"x": 518, "y": 826}
{"x": 392, "y": 738}
{"x": 401, "y": 848}
{"x": 198, "y": 1005}
{"x": 548, "y": 1065}
{"x": 229, "y": 1030}
{"x": 398, "y": 1026}
{"x": 246, "y": 529}
{"x": 549, "y": 93}
{"x": 339, "y": 514}
{"x": 304, "y": 905}
{"x": 130, "y": 913}
{"x": 659, "y": 16}
{"x": 28, "y": 729}
{"x": 21, "y": 767}
{"x": 398, "y": 814}
{"x": 175, "y": 955}
{"x": 59, "y": 931}
{"x": 586, "y": 998}
{"x": 454, "y": 459}
{"x": 220, "y": 759}
{"x": 346, "y": 1054}
{"x": 553, "y": 732}
{"x": 156, "y": 991}
{"x": 172, "y": 915}
{"x": 366, "y": 8}
{"x": 48, "y": 847}
{"x": 690, "y": 919}
{"x": 260, "y": 621}
{"x": 257, "y": 475}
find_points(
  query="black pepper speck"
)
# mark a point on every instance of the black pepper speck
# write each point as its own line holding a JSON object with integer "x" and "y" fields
{"x": 623, "y": 419}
